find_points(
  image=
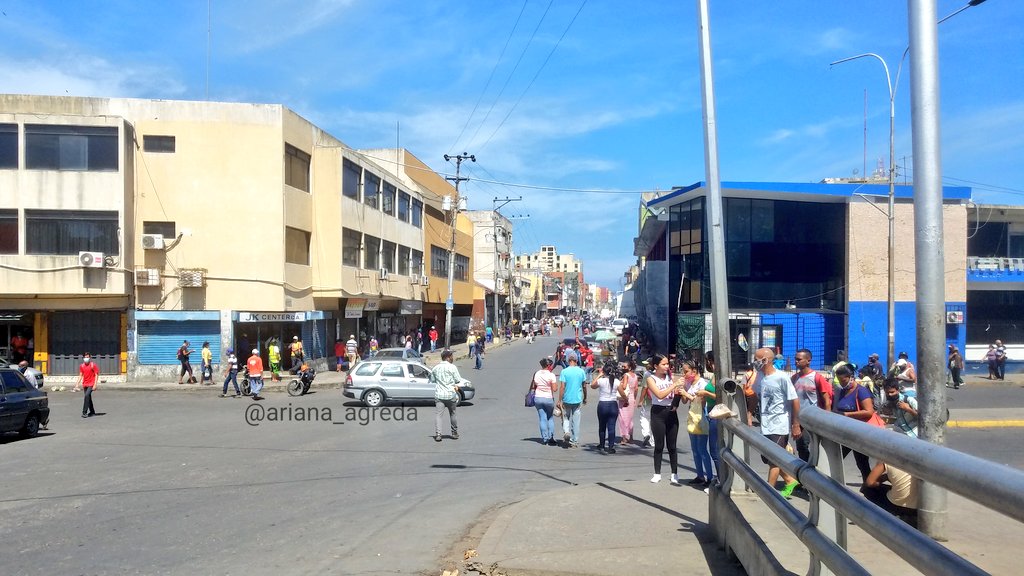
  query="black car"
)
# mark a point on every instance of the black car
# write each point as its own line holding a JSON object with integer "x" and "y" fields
{"x": 23, "y": 408}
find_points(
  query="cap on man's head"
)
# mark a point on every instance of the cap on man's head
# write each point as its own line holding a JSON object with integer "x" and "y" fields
{"x": 295, "y": 337}
{"x": 255, "y": 351}
{"x": 351, "y": 335}
{"x": 230, "y": 350}
{"x": 904, "y": 355}
{"x": 873, "y": 356}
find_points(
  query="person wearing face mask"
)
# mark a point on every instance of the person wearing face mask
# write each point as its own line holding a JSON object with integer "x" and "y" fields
{"x": 901, "y": 408}
{"x": 854, "y": 401}
{"x": 780, "y": 412}
{"x": 88, "y": 373}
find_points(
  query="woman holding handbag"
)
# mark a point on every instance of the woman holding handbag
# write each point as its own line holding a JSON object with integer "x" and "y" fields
{"x": 857, "y": 402}
{"x": 544, "y": 386}
{"x": 697, "y": 425}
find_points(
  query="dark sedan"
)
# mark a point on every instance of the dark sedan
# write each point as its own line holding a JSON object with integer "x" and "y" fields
{"x": 23, "y": 408}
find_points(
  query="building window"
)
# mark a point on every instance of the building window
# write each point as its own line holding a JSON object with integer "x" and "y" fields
{"x": 8, "y": 231}
{"x": 8, "y": 146}
{"x": 403, "y": 261}
{"x": 350, "y": 179}
{"x": 387, "y": 256}
{"x": 158, "y": 143}
{"x": 55, "y": 147}
{"x": 296, "y": 168}
{"x": 438, "y": 262}
{"x": 371, "y": 252}
{"x": 350, "y": 244}
{"x": 416, "y": 262}
{"x": 296, "y": 246}
{"x": 403, "y": 206}
{"x": 165, "y": 229}
{"x": 387, "y": 200}
{"x": 371, "y": 188}
{"x": 68, "y": 232}
{"x": 417, "y": 213}
{"x": 461, "y": 267}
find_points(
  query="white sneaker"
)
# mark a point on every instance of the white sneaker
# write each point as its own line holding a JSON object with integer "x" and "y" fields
{"x": 674, "y": 480}
{"x": 656, "y": 478}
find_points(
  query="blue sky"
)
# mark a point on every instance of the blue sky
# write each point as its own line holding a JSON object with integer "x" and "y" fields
{"x": 557, "y": 98}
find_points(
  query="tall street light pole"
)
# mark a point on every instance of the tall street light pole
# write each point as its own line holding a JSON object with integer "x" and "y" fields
{"x": 890, "y": 215}
{"x": 449, "y": 304}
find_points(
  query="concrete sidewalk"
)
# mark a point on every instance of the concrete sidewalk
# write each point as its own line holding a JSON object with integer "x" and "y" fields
{"x": 326, "y": 379}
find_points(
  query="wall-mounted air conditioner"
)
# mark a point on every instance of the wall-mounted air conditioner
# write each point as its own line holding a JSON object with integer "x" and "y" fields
{"x": 383, "y": 273}
{"x": 153, "y": 241}
{"x": 414, "y": 279}
{"x": 90, "y": 259}
{"x": 425, "y": 280}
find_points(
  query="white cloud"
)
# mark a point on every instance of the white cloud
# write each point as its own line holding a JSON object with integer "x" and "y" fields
{"x": 83, "y": 75}
{"x": 262, "y": 27}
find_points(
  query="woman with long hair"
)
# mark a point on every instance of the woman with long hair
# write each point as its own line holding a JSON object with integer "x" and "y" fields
{"x": 607, "y": 405}
{"x": 545, "y": 389}
{"x": 627, "y": 402}
{"x": 857, "y": 402}
{"x": 664, "y": 420}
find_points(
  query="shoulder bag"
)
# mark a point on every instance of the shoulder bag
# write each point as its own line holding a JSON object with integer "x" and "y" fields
{"x": 875, "y": 419}
{"x": 531, "y": 395}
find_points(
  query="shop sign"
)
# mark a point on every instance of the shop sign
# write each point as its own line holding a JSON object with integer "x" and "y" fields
{"x": 372, "y": 304}
{"x": 354, "y": 307}
{"x": 271, "y": 316}
{"x": 410, "y": 307}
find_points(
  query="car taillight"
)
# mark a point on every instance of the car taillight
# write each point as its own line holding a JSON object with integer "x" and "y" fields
{"x": 348, "y": 381}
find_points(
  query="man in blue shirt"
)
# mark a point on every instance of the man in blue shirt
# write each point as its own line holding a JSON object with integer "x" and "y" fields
{"x": 574, "y": 395}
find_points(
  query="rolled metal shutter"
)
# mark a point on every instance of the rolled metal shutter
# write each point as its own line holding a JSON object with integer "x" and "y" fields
{"x": 159, "y": 340}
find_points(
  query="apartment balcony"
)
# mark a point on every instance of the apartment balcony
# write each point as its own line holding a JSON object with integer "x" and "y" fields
{"x": 995, "y": 270}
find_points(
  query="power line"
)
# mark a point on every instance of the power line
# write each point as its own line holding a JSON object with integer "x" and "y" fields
{"x": 490, "y": 77}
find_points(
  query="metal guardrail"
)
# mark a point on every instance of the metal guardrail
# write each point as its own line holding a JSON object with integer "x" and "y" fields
{"x": 823, "y": 531}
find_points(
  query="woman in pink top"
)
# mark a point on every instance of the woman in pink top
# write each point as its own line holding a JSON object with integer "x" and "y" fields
{"x": 627, "y": 406}
{"x": 545, "y": 388}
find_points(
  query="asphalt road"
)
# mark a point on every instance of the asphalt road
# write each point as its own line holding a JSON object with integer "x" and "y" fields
{"x": 181, "y": 483}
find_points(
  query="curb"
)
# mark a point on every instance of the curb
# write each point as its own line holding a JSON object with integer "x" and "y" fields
{"x": 985, "y": 424}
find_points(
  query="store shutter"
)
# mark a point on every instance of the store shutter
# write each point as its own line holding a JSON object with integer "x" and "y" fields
{"x": 159, "y": 340}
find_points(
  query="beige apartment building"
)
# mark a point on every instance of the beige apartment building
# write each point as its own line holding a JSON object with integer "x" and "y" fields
{"x": 128, "y": 226}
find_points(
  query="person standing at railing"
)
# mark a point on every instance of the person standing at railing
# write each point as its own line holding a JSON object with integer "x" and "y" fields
{"x": 854, "y": 401}
{"x": 780, "y": 412}
{"x": 813, "y": 389}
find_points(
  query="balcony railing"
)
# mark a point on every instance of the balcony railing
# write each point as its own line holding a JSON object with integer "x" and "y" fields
{"x": 995, "y": 269}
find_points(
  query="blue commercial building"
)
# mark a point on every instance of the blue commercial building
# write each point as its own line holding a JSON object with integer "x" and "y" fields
{"x": 807, "y": 267}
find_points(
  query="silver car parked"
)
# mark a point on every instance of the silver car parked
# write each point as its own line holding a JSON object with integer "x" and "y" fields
{"x": 376, "y": 381}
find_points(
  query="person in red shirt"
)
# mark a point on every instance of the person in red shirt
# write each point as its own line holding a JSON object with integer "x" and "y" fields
{"x": 813, "y": 389}
{"x": 339, "y": 353}
{"x": 88, "y": 374}
{"x": 433, "y": 338}
{"x": 255, "y": 366}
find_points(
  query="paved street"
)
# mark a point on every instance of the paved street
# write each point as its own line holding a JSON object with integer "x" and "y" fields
{"x": 165, "y": 482}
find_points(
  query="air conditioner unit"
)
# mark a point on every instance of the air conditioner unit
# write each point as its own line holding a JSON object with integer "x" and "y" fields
{"x": 383, "y": 273}
{"x": 414, "y": 279}
{"x": 153, "y": 241}
{"x": 147, "y": 277}
{"x": 425, "y": 280}
{"x": 955, "y": 317}
{"x": 191, "y": 277}
{"x": 90, "y": 259}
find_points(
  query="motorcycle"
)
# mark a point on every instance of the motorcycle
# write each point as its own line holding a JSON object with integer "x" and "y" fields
{"x": 300, "y": 385}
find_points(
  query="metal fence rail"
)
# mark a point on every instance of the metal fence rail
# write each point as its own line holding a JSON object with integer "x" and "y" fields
{"x": 823, "y": 531}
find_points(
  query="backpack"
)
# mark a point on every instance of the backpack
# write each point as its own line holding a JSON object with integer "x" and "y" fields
{"x": 181, "y": 353}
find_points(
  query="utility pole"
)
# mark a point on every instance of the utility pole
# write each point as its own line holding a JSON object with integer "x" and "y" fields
{"x": 494, "y": 217}
{"x": 453, "y": 211}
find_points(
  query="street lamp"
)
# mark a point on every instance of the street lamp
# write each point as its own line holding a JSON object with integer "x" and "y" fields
{"x": 890, "y": 215}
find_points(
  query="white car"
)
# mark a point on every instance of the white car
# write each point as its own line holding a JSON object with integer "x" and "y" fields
{"x": 619, "y": 324}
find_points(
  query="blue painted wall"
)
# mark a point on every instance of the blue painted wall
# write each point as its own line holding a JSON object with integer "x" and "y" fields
{"x": 822, "y": 334}
{"x": 869, "y": 323}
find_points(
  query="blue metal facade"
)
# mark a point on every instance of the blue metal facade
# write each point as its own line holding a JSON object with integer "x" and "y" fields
{"x": 869, "y": 322}
{"x": 161, "y": 334}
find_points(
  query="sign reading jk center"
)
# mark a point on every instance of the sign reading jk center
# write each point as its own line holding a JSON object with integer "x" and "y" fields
{"x": 271, "y": 316}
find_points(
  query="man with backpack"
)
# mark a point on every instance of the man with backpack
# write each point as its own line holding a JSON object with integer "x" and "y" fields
{"x": 186, "y": 367}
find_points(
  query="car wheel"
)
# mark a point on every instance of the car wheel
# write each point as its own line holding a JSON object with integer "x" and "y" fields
{"x": 373, "y": 398}
{"x": 31, "y": 427}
